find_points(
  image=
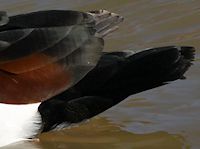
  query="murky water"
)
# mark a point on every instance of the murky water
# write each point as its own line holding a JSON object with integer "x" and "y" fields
{"x": 166, "y": 117}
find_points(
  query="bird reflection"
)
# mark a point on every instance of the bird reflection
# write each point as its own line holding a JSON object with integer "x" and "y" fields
{"x": 105, "y": 134}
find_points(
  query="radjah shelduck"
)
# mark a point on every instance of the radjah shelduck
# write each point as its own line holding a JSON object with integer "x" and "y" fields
{"x": 53, "y": 72}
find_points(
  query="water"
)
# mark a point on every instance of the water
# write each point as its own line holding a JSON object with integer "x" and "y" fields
{"x": 166, "y": 117}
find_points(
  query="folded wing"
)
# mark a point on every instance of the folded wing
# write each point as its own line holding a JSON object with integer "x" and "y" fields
{"x": 44, "y": 53}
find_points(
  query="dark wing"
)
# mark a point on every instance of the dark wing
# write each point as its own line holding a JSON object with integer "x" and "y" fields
{"x": 51, "y": 44}
{"x": 44, "y": 32}
{"x": 43, "y": 53}
{"x": 117, "y": 75}
{"x": 50, "y": 18}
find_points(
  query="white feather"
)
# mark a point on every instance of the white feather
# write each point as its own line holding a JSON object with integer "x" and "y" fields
{"x": 18, "y": 122}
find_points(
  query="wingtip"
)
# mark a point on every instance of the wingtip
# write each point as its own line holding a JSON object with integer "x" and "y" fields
{"x": 105, "y": 22}
{"x": 188, "y": 52}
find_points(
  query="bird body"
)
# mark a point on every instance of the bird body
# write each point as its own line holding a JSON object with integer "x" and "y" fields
{"x": 52, "y": 63}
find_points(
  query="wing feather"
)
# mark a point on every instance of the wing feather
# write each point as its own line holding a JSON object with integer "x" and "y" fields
{"x": 47, "y": 81}
{"x": 19, "y": 63}
{"x": 44, "y": 53}
{"x": 38, "y": 40}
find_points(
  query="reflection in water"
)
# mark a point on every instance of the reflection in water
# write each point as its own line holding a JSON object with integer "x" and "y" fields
{"x": 171, "y": 109}
{"x": 99, "y": 133}
{"x": 23, "y": 145}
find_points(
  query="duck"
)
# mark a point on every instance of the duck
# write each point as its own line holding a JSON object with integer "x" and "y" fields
{"x": 54, "y": 72}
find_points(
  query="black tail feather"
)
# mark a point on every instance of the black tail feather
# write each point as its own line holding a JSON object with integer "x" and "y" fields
{"x": 117, "y": 75}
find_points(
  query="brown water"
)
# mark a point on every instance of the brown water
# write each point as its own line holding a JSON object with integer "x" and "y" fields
{"x": 162, "y": 118}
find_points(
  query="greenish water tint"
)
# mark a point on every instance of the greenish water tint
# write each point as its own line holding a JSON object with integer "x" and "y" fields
{"x": 166, "y": 117}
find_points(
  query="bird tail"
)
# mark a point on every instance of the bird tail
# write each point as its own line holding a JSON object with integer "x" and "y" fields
{"x": 105, "y": 21}
{"x": 117, "y": 75}
{"x": 163, "y": 64}
{"x": 129, "y": 73}
{"x": 149, "y": 69}
{"x": 120, "y": 74}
